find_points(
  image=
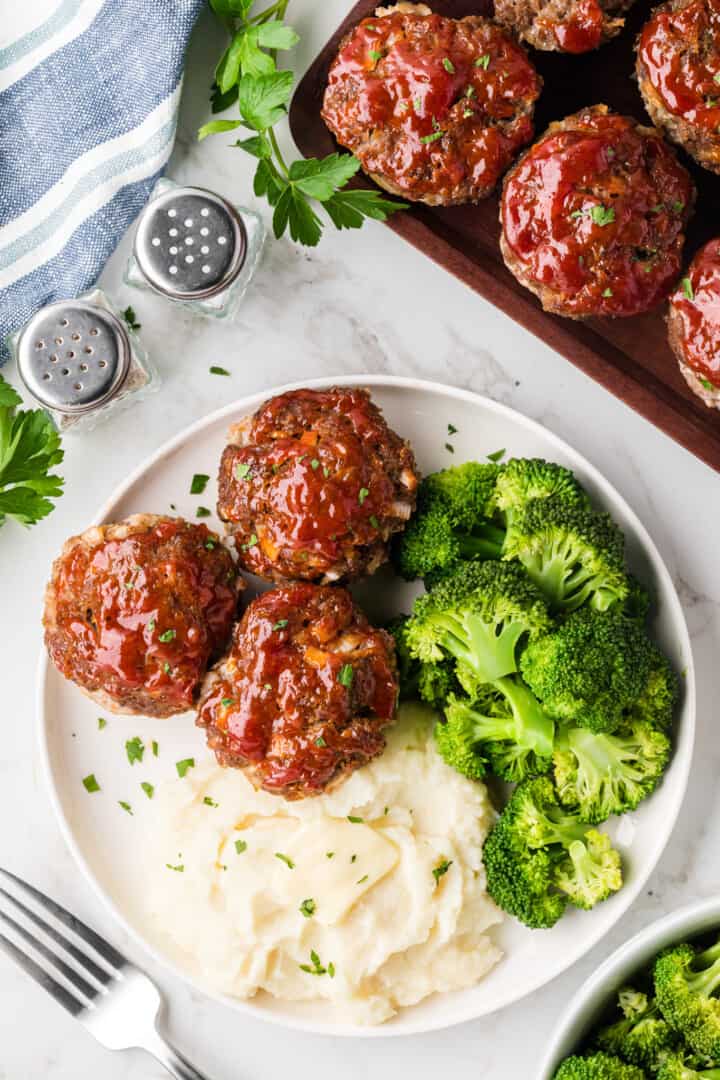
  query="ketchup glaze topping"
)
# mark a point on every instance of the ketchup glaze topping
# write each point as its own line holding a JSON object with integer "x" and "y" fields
{"x": 679, "y": 52}
{"x": 696, "y": 303}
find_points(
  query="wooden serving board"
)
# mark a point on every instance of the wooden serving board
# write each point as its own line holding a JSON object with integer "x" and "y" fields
{"x": 630, "y": 357}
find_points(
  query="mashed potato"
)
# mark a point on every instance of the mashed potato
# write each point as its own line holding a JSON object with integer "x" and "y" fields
{"x": 371, "y": 896}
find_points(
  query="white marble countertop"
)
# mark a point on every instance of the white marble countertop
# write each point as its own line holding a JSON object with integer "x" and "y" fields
{"x": 363, "y": 302}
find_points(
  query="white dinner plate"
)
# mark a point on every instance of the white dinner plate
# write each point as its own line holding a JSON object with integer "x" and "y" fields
{"x": 104, "y": 839}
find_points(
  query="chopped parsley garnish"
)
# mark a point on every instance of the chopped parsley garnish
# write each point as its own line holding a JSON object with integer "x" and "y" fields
{"x": 374, "y": 521}
{"x": 417, "y": 104}
{"x": 242, "y": 471}
{"x": 326, "y": 471}
{"x": 496, "y": 455}
{"x": 166, "y": 668}
{"x": 678, "y": 206}
{"x": 434, "y": 137}
{"x": 183, "y": 766}
{"x": 320, "y": 742}
{"x": 601, "y": 215}
{"x": 126, "y": 806}
{"x": 251, "y": 542}
{"x": 167, "y": 635}
{"x": 179, "y": 869}
{"x": 199, "y": 483}
{"x": 353, "y": 858}
{"x": 716, "y": 77}
{"x": 219, "y": 371}
{"x": 286, "y": 859}
{"x": 707, "y": 384}
{"x": 240, "y": 846}
{"x": 362, "y": 495}
{"x": 687, "y": 288}
{"x": 470, "y": 92}
{"x": 148, "y": 789}
{"x": 90, "y": 783}
{"x": 450, "y": 448}
{"x": 441, "y": 869}
{"x": 280, "y": 624}
{"x": 607, "y": 292}
{"x": 210, "y": 545}
{"x": 362, "y": 880}
{"x": 202, "y": 512}
{"x": 331, "y": 970}
{"x": 315, "y": 967}
{"x": 134, "y": 749}
{"x": 102, "y": 723}
{"x": 207, "y": 801}
{"x": 307, "y": 908}
{"x": 346, "y": 675}
{"x": 227, "y": 702}
{"x": 483, "y": 61}
{"x": 375, "y": 55}
{"x": 467, "y": 113}
{"x": 355, "y": 820}
{"x": 314, "y": 464}
{"x": 151, "y": 625}
{"x": 130, "y": 318}
{"x": 448, "y": 65}
{"x": 329, "y": 854}
{"x": 155, "y": 748}
{"x": 452, "y": 430}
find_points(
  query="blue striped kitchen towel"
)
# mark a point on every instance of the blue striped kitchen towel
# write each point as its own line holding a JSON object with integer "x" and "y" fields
{"x": 88, "y": 101}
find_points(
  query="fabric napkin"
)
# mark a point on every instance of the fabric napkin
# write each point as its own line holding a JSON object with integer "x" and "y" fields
{"x": 88, "y": 107}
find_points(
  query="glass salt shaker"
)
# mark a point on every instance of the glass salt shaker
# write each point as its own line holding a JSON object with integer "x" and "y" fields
{"x": 196, "y": 249}
{"x": 80, "y": 361}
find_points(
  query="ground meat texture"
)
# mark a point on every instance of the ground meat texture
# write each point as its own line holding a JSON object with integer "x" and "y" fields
{"x": 593, "y": 216}
{"x": 314, "y": 485}
{"x": 678, "y": 70}
{"x": 570, "y": 26}
{"x": 135, "y": 611}
{"x": 304, "y": 694}
{"x": 694, "y": 324}
{"x": 434, "y": 108}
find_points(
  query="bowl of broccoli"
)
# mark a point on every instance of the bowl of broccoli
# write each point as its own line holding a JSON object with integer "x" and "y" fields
{"x": 652, "y": 1010}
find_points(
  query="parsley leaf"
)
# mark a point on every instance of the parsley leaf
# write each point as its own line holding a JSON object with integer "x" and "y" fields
{"x": 199, "y": 483}
{"x": 240, "y": 846}
{"x": 126, "y": 806}
{"x": 183, "y": 766}
{"x": 345, "y": 675}
{"x": 131, "y": 319}
{"x": 148, "y": 789}
{"x": 687, "y": 289}
{"x": 318, "y": 178}
{"x": 286, "y": 859}
{"x": 134, "y": 749}
{"x": 29, "y": 447}
{"x": 308, "y": 908}
{"x": 602, "y": 216}
{"x": 90, "y": 783}
{"x": 441, "y": 869}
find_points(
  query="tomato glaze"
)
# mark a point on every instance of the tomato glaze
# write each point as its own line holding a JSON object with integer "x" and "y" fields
{"x": 696, "y": 302}
{"x": 680, "y": 52}
{"x": 440, "y": 88}
{"x": 582, "y": 30}
{"x": 307, "y": 688}
{"x": 595, "y": 213}
{"x": 144, "y": 613}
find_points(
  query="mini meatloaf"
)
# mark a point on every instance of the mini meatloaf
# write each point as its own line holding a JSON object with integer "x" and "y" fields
{"x": 678, "y": 70}
{"x": 593, "y": 216}
{"x": 435, "y": 109}
{"x": 136, "y": 611}
{"x": 314, "y": 485}
{"x": 570, "y": 26}
{"x": 694, "y": 324}
{"x": 304, "y": 694}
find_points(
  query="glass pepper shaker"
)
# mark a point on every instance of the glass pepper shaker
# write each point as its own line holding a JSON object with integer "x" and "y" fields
{"x": 196, "y": 249}
{"x": 80, "y": 361}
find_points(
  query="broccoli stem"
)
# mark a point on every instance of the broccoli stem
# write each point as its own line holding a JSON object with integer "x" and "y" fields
{"x": 706, "y": 981}
{"x": 476, "y": 643}
{"x": 486, "y": 543}
{"x": 533, "y": 727}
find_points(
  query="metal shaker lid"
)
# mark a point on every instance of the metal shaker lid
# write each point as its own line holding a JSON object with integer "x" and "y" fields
{"x": 73, "y": 356}
{"x": 190, "y": 243}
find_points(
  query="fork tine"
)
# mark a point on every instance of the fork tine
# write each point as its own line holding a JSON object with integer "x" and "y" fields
{"x": 77, "y": 954}
{"x": 39, "y": 946}
{"x": 102, "y": 947}
{"x": 61, "y": 995}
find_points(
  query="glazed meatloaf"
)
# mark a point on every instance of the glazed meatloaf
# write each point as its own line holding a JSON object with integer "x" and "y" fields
{"x": 593, "y": 216}
{"x": 314, "y": 485}
{"x": 135, "y": 611}
{"x": 434, "y": 108}
{"x": 694, "y": 324}
{"x": 305, "y": 692}
{"x": 570, "y": 26}
{"x": 678, "y": 71}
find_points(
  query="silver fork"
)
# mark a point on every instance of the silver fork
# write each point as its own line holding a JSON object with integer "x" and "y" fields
{"x": 113, "y": 999}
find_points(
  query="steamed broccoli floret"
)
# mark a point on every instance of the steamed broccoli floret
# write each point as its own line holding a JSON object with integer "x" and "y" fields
{"x": 609, "y": 774}
{"x": 408, "y": 666}
{"x": 432, "y": 683}
{"x": 636, "y": 604}
{"x": 656, "y": 704}
{"x": 680, "y": 1067}
{"x": 503, "y": 729}
{"x": 591, "y": 670}
{"x": 524, "y": 479}
{"x": 642, "y": 1037}
{"x": 574, "y": 555}
{"x": 451, "y": 524}
{"x": 685, "y": 982}
{"x": 539, "y": 857}
{"x": 477, "y": 617}
{"x": 597, "y": 1067}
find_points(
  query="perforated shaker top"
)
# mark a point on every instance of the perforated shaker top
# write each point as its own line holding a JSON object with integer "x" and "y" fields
{"x": 190, "y": 243}
{"x": 73, "y": 356}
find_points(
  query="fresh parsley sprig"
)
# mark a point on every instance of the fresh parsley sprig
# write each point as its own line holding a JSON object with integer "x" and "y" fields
{"x": 29, "y": 448}
{"x": 247, "y": 75}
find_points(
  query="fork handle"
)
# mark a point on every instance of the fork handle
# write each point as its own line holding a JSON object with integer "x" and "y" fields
{"x": 174, "y": 1062}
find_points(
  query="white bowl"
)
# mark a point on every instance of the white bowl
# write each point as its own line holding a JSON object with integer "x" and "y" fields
{"x": 103, "y": 838}
{"x": 589, "y": 1003}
